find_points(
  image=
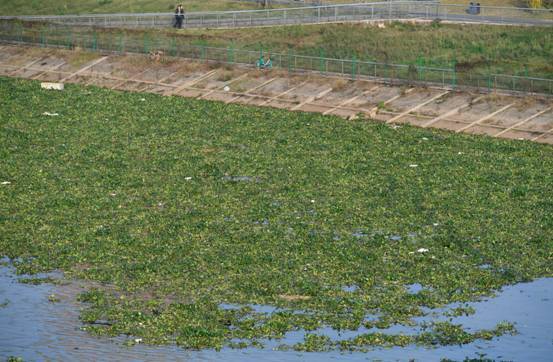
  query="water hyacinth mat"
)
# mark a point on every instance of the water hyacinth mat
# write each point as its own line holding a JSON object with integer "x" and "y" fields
{"x": 212, "y": 225}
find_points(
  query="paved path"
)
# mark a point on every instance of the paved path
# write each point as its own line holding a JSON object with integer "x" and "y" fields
{"x": 379, "y": 11}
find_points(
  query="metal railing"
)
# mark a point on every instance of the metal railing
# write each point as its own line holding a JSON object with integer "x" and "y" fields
{"x": 391, "y": 10}
{"x": 143, "y": 42}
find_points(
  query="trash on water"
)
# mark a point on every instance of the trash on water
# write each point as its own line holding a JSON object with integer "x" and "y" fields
{"x": 50, "y": 85}
{"x": 240, "y": 178}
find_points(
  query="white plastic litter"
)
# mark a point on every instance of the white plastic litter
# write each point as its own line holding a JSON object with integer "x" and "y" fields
{"x": 6, "y": 183}
{"x": 54, "y": 86}
{"x": 422, "y": 250}
{"x": 413, "y": 165}
{"x": 227, "y": 88}
{"x": 188, "y": 178}
{"x": 50, "y": 114}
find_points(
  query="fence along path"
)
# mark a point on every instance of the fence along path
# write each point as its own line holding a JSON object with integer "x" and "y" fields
{"x": 69, "y": 37}
{"x": 390, "y": 10}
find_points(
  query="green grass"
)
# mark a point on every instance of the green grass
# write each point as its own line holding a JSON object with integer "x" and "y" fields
{"x": 60, "y": 7}
{"x": 475, "y": 50}
{"x": 504, "y": 49}
{"x": 140, "y": 193}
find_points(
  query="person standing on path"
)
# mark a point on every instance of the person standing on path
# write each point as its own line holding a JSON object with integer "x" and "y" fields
{"x": 179, "y": 16}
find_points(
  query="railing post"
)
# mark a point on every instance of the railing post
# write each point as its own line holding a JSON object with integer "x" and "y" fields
{"x": 173, "y": 47}
{"x": 146, "y": 45}
{"x": 19, "y": 33}
{"x": 42, "y": 39}
{"x": 121, "y": 46}
{"x": 230, "y": 54}
{"x": 94, "y": 41}
{"x": 289, "y": 60}
{"x": 454, "y": 80}
{"x": 70, "y": 40}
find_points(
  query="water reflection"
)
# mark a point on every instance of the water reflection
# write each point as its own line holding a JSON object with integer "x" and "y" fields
{"x": 33, "y": 328}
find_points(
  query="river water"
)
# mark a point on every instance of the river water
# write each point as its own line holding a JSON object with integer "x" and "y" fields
{"x": 36, "y": 329}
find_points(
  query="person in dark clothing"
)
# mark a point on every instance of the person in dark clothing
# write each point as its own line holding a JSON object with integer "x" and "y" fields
{"x": 477, "y": 8}
{"x": 179, "y": 16}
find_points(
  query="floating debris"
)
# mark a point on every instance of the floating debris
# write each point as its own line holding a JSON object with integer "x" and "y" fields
{"x": 293, "y": 297}
{"x": 350, "y": 288}
{"x": 240, "y": 178}
{"x": 359, "y": 234}
{"x": 51, "y": 85}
